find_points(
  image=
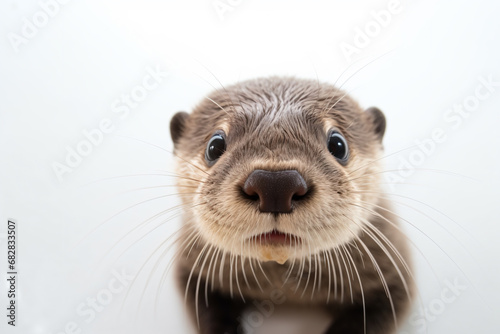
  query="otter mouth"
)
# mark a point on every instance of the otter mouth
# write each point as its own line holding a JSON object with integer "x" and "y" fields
{"x": 277, "y": 238}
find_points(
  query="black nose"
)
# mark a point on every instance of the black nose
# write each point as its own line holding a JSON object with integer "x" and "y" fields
{"x": 275, "y": 190}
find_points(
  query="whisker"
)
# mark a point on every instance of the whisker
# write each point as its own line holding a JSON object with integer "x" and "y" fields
{"x": 185, "y": 241}
{"x": 341, "y": 276}
{"x": 351, "y": 76}
{"x": 138, "y": 273}
{"x": 236, "y": 276}
{"x": 328, "y": 258}
{"x": 309, "y": 268}
{"x": 391, "y": 259}
{"x": 347, "y": 273}
{"x": 231, "y": 258}
{"x": 381, "y": 158}
{"x": 118, "y": 213}
{"x": 200, "y": 274}
{"x": 396, "y": 226}
{"x": 426, "y": 215}
{"x": 163, "y": 149}
{"x": 243, "y": 271}
{"x": 431, "y": 240}
{"x": 195, "y": 264}
{"x": 351, "y": 260}
{"x": 419, "y": 169}
{"x": 155, "y": 267}
{"x": 382, "y": 279}
{"x": 218, "y": 105}
{"x": 220, "y": 83}
{"x": 252, "y": 269}
{"x": 177, "y": 207}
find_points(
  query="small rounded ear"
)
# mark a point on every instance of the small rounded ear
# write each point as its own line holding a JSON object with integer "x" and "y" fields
{"x": 378, "y": 119}
{"x": 177, "y": 125}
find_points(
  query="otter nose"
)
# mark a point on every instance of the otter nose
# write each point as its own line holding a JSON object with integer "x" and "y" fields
{"x": 275, "y": 190}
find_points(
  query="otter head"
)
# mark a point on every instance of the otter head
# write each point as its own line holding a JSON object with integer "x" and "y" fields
{"x": 279, "y": 168}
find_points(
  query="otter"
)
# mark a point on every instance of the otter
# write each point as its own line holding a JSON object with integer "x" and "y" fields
{"x": 280, "y": 183}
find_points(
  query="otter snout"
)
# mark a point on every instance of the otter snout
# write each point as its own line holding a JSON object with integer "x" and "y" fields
{"x": 275, "y": 190}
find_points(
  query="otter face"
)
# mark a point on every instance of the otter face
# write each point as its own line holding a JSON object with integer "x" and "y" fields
{"x": 279, "y": 168}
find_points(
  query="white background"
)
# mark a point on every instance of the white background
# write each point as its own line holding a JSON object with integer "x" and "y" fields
{"x": 64, "y": 78}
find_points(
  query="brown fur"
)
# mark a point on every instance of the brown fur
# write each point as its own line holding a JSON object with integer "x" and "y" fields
{"x": 350, "y": 242}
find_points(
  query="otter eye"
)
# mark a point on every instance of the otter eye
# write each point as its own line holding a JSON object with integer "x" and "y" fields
{"x": 337, "y": 146}
{"x": 215, "y": 147}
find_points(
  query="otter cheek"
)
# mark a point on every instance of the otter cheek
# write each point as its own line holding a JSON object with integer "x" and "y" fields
{"x": 278, "y": 254}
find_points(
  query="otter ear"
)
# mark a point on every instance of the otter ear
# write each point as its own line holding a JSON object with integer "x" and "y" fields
{"x": 378, "y": 120}
{"x": 177, "y": 125}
